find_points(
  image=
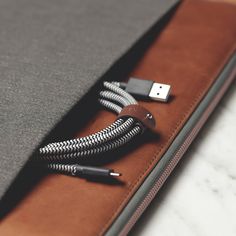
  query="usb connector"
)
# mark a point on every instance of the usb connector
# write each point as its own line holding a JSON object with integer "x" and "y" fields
{"x": 83, "y": 171}
{"x": 160, "y": 92}
{"x": 147, "y": 89}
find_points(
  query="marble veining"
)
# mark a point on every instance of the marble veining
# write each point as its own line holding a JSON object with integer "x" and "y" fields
{"x": 199, "y": 199}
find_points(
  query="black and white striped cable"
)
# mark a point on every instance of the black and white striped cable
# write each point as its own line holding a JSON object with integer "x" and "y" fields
{"x": 63, "y": 156}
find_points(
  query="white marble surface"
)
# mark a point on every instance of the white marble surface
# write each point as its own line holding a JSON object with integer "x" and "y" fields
{"x": 199, "y": 199}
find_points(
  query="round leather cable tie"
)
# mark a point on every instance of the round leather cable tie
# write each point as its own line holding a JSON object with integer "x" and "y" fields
{"x": 139, "y": 113}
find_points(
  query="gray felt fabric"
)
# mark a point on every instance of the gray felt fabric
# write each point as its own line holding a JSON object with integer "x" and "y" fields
{"x": 51, "y": 53}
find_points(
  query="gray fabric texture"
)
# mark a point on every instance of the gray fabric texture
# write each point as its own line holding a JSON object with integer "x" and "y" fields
{"x": 51, "y": 53}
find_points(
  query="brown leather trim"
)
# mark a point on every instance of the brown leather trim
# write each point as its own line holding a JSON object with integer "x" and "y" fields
{"x": 196, "y": 98}
{"x": 189, "y": 54}
{"x": 139, "y": 113}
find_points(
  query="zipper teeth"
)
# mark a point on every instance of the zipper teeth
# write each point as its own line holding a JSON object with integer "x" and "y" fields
{"x": 174, "y": 161}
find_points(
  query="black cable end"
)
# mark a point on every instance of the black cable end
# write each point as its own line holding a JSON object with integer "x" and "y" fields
{"x": 147, "y": 89}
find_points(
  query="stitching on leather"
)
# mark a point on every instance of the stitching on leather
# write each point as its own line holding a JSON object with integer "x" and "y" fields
{"x": 197, "y": 99}
{"x": 150, "y": 163}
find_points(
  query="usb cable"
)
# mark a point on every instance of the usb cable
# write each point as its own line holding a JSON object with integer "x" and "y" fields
{"x": 146, "y": 89}
{"x": 66, "y": 156}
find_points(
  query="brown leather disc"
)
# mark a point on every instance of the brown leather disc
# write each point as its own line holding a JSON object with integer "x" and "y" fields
{"x": 139, "y": 113}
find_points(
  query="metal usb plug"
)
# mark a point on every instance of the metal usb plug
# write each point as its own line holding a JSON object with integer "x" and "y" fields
{"x": 160, "y": 92}
{"x": 147, "y": 89}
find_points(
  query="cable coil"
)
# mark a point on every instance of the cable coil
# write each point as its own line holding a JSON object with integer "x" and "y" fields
{"x": 60, "y": 155}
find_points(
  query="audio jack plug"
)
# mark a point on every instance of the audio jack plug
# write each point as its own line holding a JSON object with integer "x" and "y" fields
{"x": 78, "y": 170}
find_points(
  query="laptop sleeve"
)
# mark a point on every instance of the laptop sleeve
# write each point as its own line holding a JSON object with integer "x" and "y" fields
{"x": 194, "y": 52}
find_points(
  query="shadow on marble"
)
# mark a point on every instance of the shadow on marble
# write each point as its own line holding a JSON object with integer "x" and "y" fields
{"x": 186, "y": 160}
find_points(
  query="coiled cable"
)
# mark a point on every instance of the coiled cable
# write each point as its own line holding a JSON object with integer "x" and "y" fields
{"x": 66, "y": 155}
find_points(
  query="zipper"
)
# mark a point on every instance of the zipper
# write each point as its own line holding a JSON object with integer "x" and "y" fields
{"x": 177, "y": 156}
